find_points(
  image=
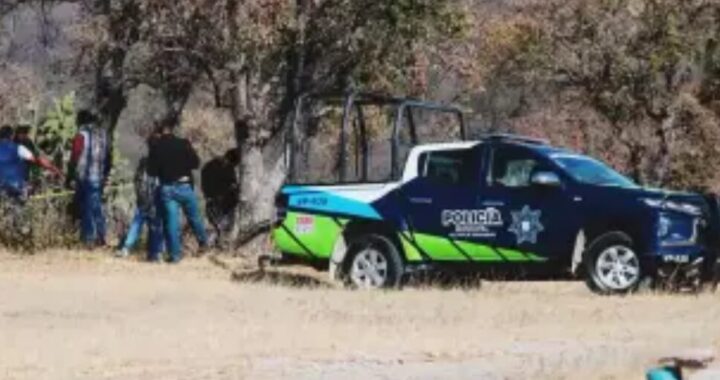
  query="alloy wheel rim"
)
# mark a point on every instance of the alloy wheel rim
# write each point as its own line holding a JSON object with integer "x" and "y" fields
{"x": 618, "y": 267}
{"x": 369, "y": 269}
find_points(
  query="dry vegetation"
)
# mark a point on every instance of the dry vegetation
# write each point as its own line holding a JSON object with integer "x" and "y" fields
{"x": 633, "y": 81}
{"x": 87, "y": 316}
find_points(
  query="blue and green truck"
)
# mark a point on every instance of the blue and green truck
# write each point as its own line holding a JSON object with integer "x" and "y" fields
{"x": 500, "y": 202}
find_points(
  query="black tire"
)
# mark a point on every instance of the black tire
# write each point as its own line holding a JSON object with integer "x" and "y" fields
{"x": 385, "y": 249}
{"x": 591, "y": 260}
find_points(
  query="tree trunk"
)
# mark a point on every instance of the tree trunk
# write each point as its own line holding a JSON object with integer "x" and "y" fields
{"x": 244, "y": 125}
{"x": 176, "y": 97}
{"x": 296, "y": 73}
{"x": 263, "y": 172}
{"x": 110, "y": 95}
{"x": 260, "y": 169}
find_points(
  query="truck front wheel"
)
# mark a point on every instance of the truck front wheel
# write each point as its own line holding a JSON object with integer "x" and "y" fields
{"x": 373, "y": 263}
{"x": 612, "y": 264}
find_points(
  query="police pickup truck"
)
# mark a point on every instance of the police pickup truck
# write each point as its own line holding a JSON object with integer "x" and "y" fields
{"x": 500, "y": 202}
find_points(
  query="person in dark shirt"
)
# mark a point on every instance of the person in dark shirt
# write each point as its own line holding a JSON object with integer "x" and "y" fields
{"x": 172, "y": 160}
{"x": 220, "y": 187}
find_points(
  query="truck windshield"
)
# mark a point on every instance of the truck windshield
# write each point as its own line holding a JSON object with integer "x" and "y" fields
{"x": 587, "y": 170}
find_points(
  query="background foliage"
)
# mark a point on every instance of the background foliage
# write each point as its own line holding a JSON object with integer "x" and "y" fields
{"x": 55, "y": 131}
{"x": 634, "y": 82}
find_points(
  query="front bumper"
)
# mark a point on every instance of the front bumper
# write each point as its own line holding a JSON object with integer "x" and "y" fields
{"x": 680, "y": 255}
{"x": 686, "y": 255}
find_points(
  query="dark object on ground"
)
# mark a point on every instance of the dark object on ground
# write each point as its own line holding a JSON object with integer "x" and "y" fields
{"x": 219, "y": 185}
{"x": 673, "y": 367}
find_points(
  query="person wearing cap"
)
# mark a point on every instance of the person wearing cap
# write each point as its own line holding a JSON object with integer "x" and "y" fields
{"x": 172, "y": 159}
{"x": 89, "y": 168}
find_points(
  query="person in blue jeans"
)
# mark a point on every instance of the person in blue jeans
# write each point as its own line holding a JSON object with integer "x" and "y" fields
{"x": 172, "y": 160}
{"x": 146, "y": 212}
{"x": 90, "y": 164}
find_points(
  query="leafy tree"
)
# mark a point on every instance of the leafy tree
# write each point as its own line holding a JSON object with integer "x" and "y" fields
{"x": 637, "y": 63}
{"x": 56, "y": 130}
{"x": 256, "y": 57}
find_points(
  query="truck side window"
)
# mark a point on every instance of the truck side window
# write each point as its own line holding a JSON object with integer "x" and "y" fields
{"x": 450, "y": 167}
{"x": 512, "y": 167}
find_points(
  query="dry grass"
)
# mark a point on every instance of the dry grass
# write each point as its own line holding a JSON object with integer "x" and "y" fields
{"x": 69, "y": 315}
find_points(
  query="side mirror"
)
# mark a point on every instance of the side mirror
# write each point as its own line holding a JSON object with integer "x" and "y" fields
{"x": 546, "y": 179}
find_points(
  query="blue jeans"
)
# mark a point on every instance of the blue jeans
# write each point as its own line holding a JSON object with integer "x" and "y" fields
{"x": 92, "y": 218}
{"x": 174, "y": 197}
{"x": 156, "y": 236}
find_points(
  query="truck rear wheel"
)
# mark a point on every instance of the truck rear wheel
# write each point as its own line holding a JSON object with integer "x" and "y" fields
{"x": 612, "y": 265}
{"x": 373, "y": 263}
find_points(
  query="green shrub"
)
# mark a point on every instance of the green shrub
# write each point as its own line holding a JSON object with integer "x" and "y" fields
{"x": 56, "y": 130}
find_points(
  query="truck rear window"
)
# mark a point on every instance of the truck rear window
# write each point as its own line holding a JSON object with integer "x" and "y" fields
{"x": 452, "y": 167}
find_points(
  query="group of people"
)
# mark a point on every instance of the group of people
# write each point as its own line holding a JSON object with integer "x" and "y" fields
{"x": 164, "y": 185}
{"x": 87, "y": 171}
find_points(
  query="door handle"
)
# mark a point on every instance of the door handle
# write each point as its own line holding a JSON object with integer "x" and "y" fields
{"x": 419, "y": 200}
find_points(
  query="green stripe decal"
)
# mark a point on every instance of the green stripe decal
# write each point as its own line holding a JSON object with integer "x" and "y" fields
{"x": 286, "y": 242}
{"x": 479, "y": 252}
{"x": 314, "y": 236}
{"x": 441, "y": 248}
{"x": 411, "y": 253}
{"x": 303, "y": 232}
{"x": 518, "y": 256}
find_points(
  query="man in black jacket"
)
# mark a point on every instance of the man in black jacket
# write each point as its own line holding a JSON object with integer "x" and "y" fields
{"x": 172, "y": 160}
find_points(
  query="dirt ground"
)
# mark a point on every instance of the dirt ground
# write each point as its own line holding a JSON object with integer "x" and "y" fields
{"x": 89, "y": 316}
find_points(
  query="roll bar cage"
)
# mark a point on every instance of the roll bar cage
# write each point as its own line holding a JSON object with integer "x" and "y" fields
{"x": 355, "y": 101}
